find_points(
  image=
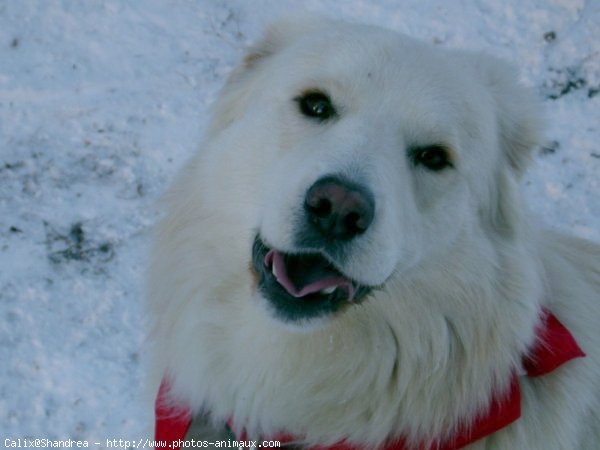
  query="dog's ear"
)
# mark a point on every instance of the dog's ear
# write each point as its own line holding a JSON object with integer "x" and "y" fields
{"x": 278, "y": 36}
{"x": 518, "y": 112}
{"x": 233, "y": 99}
{"x": 519, "y": 130}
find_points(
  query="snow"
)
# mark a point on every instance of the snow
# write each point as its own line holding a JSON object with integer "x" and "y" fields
{"x": 102, "y": 101}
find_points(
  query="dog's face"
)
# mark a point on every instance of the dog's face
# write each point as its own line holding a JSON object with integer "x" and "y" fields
{"x": 366, "y": 155}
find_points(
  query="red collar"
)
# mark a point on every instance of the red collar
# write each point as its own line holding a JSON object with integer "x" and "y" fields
{"x": 555, "y": 345}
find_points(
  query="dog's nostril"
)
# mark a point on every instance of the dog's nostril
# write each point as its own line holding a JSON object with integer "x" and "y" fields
{"x": 338, "y": 208}
{"x": 353, "y": 222}
{"x": 322, "y": 207}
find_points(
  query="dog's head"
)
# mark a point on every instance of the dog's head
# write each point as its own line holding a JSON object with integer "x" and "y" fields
{"x": 364, "y": 155}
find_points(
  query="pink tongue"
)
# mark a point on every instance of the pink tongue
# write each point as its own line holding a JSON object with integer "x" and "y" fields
{"x": 275, "y": 259}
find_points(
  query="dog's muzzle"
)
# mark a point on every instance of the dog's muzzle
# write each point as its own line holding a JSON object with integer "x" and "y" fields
{"x": 308, "y": 282}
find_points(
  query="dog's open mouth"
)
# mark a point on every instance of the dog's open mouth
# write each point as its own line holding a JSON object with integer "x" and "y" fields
{"x": 303, "y": 275}
{"x": 304, "y": 285}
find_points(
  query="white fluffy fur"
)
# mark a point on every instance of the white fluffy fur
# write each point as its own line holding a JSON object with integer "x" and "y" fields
{"x": 463, "y": 270}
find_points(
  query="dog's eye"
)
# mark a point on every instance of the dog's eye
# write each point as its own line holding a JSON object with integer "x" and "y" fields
{"x": 317, "y": 105}
{"x": 433, "y": 157}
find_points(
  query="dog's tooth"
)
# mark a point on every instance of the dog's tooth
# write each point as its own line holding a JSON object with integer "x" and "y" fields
{"x": 328, "y": 290}
{"x": 274, "y": 270}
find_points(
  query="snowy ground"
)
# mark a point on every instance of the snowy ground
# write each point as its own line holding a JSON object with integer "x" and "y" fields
{"x": 102, "y": 101}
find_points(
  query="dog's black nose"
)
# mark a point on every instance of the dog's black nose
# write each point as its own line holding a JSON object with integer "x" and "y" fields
{"x": 339, "y": 208}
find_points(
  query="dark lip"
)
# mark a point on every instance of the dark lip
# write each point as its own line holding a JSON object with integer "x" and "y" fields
{"x": 291, "y": 309}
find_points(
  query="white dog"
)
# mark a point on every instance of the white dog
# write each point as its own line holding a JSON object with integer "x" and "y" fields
{"x": 347, "y": 261}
